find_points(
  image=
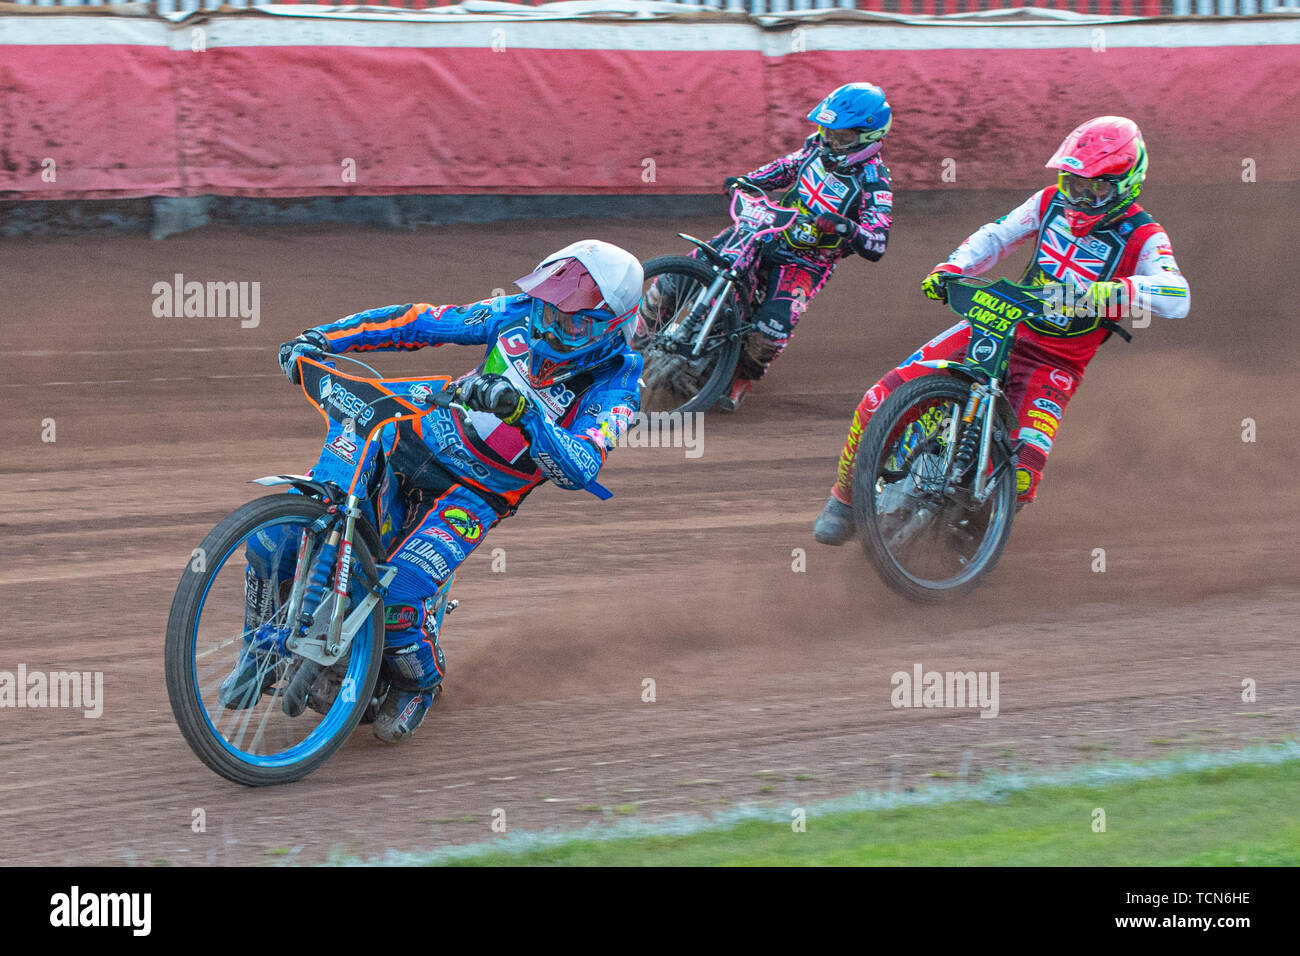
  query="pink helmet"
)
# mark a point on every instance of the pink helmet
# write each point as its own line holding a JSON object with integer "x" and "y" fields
{"x": 1103, "y": 164}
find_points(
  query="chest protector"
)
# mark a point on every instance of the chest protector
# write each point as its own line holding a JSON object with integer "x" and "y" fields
{"x": 506, "y": 446}
{"x": 1078, "y": 261}
{"x": 817, "y": 191}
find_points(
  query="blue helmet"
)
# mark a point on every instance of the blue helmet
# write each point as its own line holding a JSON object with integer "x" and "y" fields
{"x": 851, "y": 123}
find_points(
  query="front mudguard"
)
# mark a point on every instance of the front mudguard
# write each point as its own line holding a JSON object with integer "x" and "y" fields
{"x": 305, "y": 484}
{"x": 714, "y": 257}
{"x": 329, "y": 493}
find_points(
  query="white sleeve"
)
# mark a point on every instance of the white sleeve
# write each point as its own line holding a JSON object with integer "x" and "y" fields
{"x": 1156, "y": 285}
{"x": 990, "y": 242}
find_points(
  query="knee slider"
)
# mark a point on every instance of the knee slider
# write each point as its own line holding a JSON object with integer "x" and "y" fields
{"x": 412, "y": 668}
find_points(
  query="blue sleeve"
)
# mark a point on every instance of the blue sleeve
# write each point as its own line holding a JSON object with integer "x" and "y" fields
{"x": 572, "y": 456}
{"x": 415, "y": 325}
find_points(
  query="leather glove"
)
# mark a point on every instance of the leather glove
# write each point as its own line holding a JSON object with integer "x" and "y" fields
{"x": 1101, "y": 298}
{"x": 932, "y": 285}
{"x": 493, "y": 394}
{"x": 311, "y": 343}
{"x": 835, "y": 224}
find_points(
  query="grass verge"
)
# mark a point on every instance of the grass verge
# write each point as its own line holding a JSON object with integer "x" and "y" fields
{"x": 1245, "y": 815}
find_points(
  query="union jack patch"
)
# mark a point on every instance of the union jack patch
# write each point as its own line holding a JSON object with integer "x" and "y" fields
{"x": 820, "y": 191}
{"x": 1062, "y": 259}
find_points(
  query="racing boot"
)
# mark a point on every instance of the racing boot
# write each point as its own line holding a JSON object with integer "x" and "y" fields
{"x": 415, "y": 673}
{"x": 253, "y": 674}
{"x": 835, "y": 525}
{"x": 403, "y": 711}
{"x": 735, "y": 394}
{"x": 251, "y": 677}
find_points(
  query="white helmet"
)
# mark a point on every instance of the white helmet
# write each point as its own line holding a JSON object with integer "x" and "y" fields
{"x": 594, "y": 288}
{"x": 618, "y": 273}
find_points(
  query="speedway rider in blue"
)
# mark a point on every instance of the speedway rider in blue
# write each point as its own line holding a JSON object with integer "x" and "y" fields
{"x": 558, "y": 356}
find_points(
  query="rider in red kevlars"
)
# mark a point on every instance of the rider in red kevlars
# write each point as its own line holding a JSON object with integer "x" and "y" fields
{"x": 840, "y": 184}
{"x": 1093, "y": 238}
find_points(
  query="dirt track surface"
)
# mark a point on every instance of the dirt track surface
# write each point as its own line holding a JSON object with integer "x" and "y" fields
{"x": 771, "y": 685}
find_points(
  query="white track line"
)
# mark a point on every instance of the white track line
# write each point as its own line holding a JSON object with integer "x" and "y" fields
{"x": 138, "y": 381}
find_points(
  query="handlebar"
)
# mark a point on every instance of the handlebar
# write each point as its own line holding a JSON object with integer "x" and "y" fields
{"x": 1054, "y": 296}
{"x": 322, "y": 356}
{"x": 748, "y": 185}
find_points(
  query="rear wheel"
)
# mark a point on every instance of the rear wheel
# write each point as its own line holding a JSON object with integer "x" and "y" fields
{"x": 676, "y": 379}
{"x": 250, "y": 709}
{"x": 927, "y": 543}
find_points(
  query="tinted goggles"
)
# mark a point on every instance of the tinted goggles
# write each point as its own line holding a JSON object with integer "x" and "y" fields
{"x": 1082, "y": 191}
{"x": 839, "y": 139}
{"x": 574, "y": 329}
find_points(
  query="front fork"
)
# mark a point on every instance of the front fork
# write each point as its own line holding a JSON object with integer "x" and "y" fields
{"x": 978, "y": 417}
{"x": 320, "y": 629}
{"x": 716, "y": 293}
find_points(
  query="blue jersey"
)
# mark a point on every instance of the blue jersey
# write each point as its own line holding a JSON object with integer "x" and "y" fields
{"x": 564, "y": 435}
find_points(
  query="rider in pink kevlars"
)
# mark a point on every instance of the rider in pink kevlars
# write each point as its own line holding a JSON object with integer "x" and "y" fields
{"x": 839, "y": 182}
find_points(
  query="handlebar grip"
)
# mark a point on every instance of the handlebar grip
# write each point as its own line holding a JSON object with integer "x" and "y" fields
{"x": 503, "y": 399}
{"x": 490, "y": 393}
{"x": 292, "y": 363}
{"x": 443, "y": 398}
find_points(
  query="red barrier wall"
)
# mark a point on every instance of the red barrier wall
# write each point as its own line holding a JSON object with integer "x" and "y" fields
{"x": 105, "y": 115}
{"x": 1001, "y": 113}
{"x": 468, "y": 120}
{"x": 134, "y": 119}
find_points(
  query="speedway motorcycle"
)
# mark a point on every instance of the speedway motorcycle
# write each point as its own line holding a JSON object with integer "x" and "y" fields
{"x": 934, "y": 487}
{"x": 697, "y": 311}
{"x": 316, "y": 635}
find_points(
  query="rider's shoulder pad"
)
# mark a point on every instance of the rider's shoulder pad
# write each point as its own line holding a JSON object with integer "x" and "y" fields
{"x": 624, "y": 374}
